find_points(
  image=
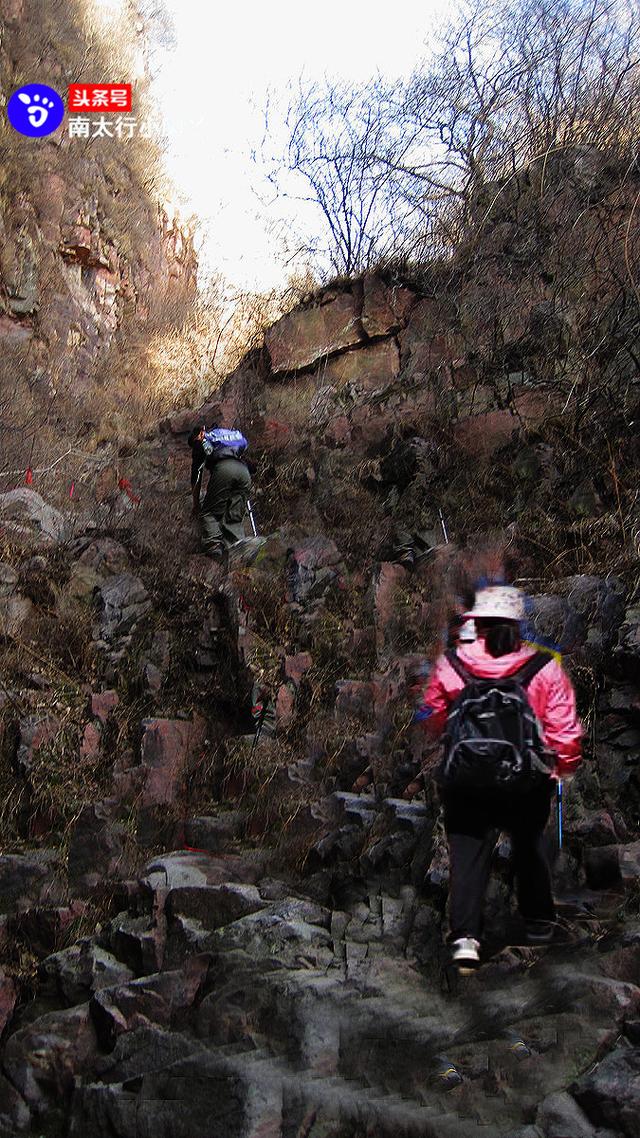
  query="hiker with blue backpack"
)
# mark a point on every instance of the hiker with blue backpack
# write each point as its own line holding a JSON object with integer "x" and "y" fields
{"x": 508, "y": 714}
{"x": 220, "y": 450}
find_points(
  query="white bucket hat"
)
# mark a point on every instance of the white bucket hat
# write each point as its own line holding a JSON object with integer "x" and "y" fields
{"x": 498, "y": 601}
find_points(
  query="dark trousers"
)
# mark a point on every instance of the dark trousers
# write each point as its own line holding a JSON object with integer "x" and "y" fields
{"x": 472, "y": 824}
{"x": 225, "y": 503}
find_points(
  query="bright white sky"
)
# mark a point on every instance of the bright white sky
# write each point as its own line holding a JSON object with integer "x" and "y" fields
{"x": 212, "y": 91}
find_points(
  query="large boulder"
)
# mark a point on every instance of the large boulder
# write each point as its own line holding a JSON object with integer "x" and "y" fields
{"x": 385, "y": 308}
{"x": 610, "y": 1094}
{"x": 583, "y": 615}
{"x": 599, "y": 602}
{"x": 301, "y": 337}
{"x": 187, "y": 869}
{"x": 425, "y": 343}
{"x": 76, "y": 973}
{"x": 44, "y": 1058}
{"x": 485, "y": 432}
{"x": 283, "y": 941}
{"x": 592, "y": 171}
{"x": 559, "y": 1116}
{"x": 311, "y": 568}
{"x": 157, "y": 999}
{"x": 555, "y": 623}
{"x": 365, "y": 368}
{"x": 138, "y": 941}
{"x": 145, "y": 1048}
{"x": 25, "y": 513}
{"x": 123, "y": 600}
{"x": 179, "y": 422}
{"x": 607, "y": 865}
{"x": 105, "y": 556}
{"x": 355, "y": 699}
{"x": 9, "y": 578}
{"x": 214, "y": 905}
{"x": 167, "y": 747}
{"x": 202, "y": 1096}
{"x": 103, "y": 704}
{"x": 213, "y": 833}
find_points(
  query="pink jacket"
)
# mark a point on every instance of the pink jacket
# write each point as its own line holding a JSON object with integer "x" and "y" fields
{"x": 550, "y": 694}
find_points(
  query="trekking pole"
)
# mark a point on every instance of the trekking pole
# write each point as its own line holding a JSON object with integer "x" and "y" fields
{"x": 559, "y": 799}
{"x": 256, "y": 738}
{"x": 251, "y": 518}
{"x": 444, "y": 528}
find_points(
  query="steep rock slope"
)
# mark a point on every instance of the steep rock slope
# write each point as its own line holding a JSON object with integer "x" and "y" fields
{"x": 207, "y": 931}
{"x": 89, "y": 259}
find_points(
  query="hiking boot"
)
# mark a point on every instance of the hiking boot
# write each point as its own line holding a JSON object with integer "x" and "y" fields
{"x": 422, "y": 555}
{"x": 245, "y": 551}
{"x": 216, "y": 551}
{"x": 465, "y": 953}
{"x": 407, "y": 559}
{"x": 539, "y": 932}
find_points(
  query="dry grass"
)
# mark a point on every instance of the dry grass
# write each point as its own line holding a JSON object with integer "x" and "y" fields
{"x": 41, "y": 675}
{"x": 58, "y": 782}
{"x": 180, "y": 356}
{"x": 61, "y": 782}
{"x": 264, "y": 598}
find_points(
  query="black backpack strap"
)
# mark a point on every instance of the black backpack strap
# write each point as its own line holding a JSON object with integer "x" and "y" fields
{"x": 458, "y": 667}
{"x": 531, "y": 667}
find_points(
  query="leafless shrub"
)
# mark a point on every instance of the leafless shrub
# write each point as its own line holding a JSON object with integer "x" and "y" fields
{"x": 404, "y": 170}
{"x": 345, "y": 145}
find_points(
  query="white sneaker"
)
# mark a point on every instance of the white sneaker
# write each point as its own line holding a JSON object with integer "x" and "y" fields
{"x": 465, "y": 953}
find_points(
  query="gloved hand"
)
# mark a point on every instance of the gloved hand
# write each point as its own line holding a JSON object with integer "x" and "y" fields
{"x": 566, "y": 769}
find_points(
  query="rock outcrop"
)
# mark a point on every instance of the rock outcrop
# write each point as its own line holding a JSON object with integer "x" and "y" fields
{"x": 86, "y": 249}
{"x": 221, "y": 916}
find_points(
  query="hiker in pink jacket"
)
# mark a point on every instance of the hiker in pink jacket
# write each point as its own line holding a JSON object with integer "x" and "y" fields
{"x": 473, "y": 820}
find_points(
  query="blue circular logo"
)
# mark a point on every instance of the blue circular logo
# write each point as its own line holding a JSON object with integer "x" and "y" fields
{"x": 35, "y": 110}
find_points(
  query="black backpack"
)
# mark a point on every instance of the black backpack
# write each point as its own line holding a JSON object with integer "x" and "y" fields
{"x": 493, "y": 739}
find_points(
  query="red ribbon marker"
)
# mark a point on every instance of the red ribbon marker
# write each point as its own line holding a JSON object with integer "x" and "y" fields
{"x": 29, "y": 476}
{"x": 124, "y": 484}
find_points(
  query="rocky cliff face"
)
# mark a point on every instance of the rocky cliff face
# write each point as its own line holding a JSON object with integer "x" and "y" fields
{"x": 207, "y": 931}
{"x": 87, "y": 254}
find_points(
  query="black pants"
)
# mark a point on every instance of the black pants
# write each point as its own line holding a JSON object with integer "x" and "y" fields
{"x": 472, "y": 824}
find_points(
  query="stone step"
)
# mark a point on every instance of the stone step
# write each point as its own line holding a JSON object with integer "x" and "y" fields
{"x": 351, "y": 1099}
{"x": 420, "y": 1101}
{"x": 345, "y": 806}
{"x": 497, "y": 1089}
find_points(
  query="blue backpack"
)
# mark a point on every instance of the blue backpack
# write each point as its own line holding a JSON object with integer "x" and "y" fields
{"x": 222, "y": 442}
